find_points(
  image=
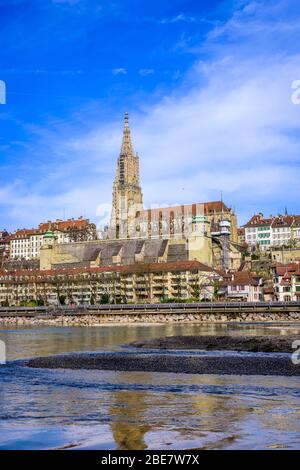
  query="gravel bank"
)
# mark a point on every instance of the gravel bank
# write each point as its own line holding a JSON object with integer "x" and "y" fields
{"x": 229, "y": 343}
{"x": 231, "y": 365}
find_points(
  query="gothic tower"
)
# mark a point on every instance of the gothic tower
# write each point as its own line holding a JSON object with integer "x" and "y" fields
{"x": 127, "y": 193}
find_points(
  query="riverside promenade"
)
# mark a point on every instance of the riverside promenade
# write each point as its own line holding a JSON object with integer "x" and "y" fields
{"x": 153, "y": 313}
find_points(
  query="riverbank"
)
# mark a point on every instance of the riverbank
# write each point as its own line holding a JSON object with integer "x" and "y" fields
{"x": 85, "y": 408}
{"x": 224, "y": 343}
{"x": 98, "y": 319}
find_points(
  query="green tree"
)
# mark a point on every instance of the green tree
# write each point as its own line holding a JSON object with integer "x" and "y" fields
{"x": 104, "y": 298}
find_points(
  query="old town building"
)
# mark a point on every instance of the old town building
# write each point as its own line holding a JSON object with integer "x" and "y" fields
{"x": 278, "y": 231}
{"x": 151, "y": 282}
{"x": 26, "y": 243}
{"x": 130, "y": 220}
{"x": 287, "y": 281}
{"x": 242, "y": 286}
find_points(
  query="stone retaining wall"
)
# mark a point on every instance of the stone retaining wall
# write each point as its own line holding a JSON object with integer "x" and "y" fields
{"x": 100, "y": 319}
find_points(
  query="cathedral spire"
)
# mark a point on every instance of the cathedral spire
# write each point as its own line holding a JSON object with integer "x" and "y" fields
{"x": 126, "y": 148}
{"x": 127, "y": 193}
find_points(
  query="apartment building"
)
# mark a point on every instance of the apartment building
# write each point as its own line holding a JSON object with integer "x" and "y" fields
{"x": 26, "y": 243}
{"x": 273, "y": 231}
{"x": 152, "y": 282}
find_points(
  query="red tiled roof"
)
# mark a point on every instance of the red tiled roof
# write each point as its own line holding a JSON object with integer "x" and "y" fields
{"x": 279, "y": 221}
{"x": 242, "y": 278}
{"x": 23, "y": 233}
{"x": 208, "y": 208}
{"x": 291, "y": 268}
{"x": 61, "y": 225}
{"x": 283, "y": 221}
{"x": 257, "y": 221}
{"x": 130, "y": 269}
{"x": 215, "y": 206}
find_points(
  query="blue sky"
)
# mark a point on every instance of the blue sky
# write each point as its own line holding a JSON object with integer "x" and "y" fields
{"x": 207, "y": 85}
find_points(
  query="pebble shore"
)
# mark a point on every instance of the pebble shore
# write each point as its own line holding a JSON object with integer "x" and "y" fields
{"x": 230, "y": 365}
{"x": 225, "y": 343}
{"x": 102, "y": 319}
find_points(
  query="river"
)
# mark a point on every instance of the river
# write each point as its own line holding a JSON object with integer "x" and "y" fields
{"x": 92, "y": 409}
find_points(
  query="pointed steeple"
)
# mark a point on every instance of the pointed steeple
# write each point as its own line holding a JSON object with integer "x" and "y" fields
{"x": 127, "y": 193}
{"x": 126, "y": 148}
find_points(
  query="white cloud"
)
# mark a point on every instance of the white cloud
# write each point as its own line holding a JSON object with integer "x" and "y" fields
{"x": 146, "y": 72}
{"x": 230, "y": 127}
{"x": 119, "y": 71}
{"x": 178, "y": 18}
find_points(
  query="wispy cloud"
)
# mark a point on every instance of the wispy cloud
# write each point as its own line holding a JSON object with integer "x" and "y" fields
{"x": 230, "y": 126}
{"x": 178, "y": 18}
{"x": 145, "y": 72}
{"x": 119, "y": 71}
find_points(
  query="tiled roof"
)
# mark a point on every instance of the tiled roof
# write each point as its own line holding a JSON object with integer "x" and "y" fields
{"x": 136, "y": 268}
{"x": 61, "y": 225}
{"x": 24, "y": 233}
{"x": 208, "y": 208}
{"x": 279, "y": 221}
{"x": 242, "y": 278}
{"x": 257, "y": 221}
{"x": 215, "y": 206}
{"x": 283, "y": 221}
{"x": 292, "y": 268}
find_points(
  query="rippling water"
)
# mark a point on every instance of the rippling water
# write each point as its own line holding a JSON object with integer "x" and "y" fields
{"x": 137, "y": 410}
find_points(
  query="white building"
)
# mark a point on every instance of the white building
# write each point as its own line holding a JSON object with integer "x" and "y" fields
{"x": 242, "y": 286}
{"x": 272, "y": 231}
{"x": 287, "y": 282}
{"x": 26, "y": 243}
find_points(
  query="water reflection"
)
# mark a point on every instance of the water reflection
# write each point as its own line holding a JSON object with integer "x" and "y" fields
{"x": 139, "y": 410}
{"x": 128, "y": 420}
{"x": 26, "y": 342}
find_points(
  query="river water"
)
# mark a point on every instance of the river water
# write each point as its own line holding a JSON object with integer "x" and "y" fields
{"x": 92, "y": 409}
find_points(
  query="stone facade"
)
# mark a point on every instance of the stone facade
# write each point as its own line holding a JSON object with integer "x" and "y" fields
{"x": 199, "y": 226}
{"x": 109, "y": 318}
{"x": 127, "y": 193}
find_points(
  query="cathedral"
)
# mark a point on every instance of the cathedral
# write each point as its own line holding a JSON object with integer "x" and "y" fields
{"x": 201, "y": 232}
{"x": 130, "y": 220}
{"x": 127, "y": 194}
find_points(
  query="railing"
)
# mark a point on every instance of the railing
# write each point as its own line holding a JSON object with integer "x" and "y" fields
{"x": 194, "y": 305}
{"x": 155, "y": 307}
